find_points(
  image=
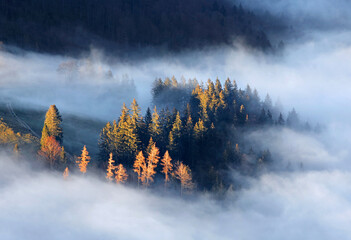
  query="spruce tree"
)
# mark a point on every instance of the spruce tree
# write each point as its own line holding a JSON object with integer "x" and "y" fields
{"x": 175, "y": 137}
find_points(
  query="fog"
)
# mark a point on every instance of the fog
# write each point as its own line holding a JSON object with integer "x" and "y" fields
{"x": 306, "y": 195}
{"x": 301, "y": 76}
{"x": 313, "y": 202}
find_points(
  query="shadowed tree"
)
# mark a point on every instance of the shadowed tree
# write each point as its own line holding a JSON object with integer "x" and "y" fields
{"x": 183, "y": 173}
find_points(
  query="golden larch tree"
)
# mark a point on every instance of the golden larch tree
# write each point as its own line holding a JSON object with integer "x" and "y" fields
{"x": 167, "y": 166}
{"x": 65, "y": 173}
{"x": 121, "y": 174}
{"x": 83, "y": 160}
{"x": 183, "y": 173}
{"x": 151, "y": 165}
{"x": 110, "y": 168}
{"x": 50, "y": 150}
{"x": 139, "y": 166}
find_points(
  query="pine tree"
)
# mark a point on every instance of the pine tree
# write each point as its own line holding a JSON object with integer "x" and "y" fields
{"x": 121, "y": 175}
{"x": 53, "y": 122}
{"x": 167, "y": 166}
{"x": 105, "y": 144}
{"x": 175, "y": 136}
{"x": 281, "y": 120}
{"x": 183, "y": 173}
{"x": 83, "y": 160}
{"x": 110, "y": 168}
{"x": 140, "y": 166}
{"x": 151, "y": 165}
{"x": 199, "y": 130}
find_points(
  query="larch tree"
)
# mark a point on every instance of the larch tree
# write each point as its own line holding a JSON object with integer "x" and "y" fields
{"x": 140, "y": 166}
{"x": 50, "y": 150}
{"x": 183, "y": 173}
{"x": 155, "y": 127}
{"x": 167, "y": 166}
{"x": 151, "y": 165}
{"x": 65, "y": 173}
{"x": 110, "y": 168}
{"x": 83, "y": 160}
{"x": 52, "y": 125}
{"x": 121, "y": 175}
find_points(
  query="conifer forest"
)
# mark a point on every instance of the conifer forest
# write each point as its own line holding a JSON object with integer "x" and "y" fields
{"x": 174, "y": 119}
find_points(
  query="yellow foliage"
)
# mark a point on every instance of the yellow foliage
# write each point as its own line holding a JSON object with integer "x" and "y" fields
{"x": 83, "y": 160}
{"x": 110, "y": 168}
{"x": 121, "y": 174}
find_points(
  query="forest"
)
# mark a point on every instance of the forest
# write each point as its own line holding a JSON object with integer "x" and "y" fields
{"x": 192, "y": 137}
{"x": 61, "y": 26}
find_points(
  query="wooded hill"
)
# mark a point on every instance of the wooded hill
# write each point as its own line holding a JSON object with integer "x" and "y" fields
{"x": 61, "y": 26}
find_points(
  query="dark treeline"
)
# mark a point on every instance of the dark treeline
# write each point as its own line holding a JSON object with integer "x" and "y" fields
{"x": 61, "y": 25}
{"x": 205, "y": 132}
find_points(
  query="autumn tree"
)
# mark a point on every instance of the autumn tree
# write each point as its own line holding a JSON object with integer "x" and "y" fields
{"x": 121, "y": 175}
{"x": 183, "y": 173}
{"x": 167, "y": 166}
{"x": 110, "y": 168}
{"x": 83, "y": 160}
{"x": 52, "y": 125}
{"x": 151, "y": 164}
{"x": 139, "y": 166}
{"x": 65, "y": 173}
{"x": 50, "y": 150}
{"x": 155, "y": 126}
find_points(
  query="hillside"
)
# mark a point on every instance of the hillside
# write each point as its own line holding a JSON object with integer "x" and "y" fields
{"x": 60, "y": 26}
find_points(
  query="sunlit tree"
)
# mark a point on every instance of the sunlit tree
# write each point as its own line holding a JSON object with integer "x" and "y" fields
{"x": 83, "y": 160}
{"x": 167, "y": 166}
{"x": 151, "y": 165}
{"x": 121, "y": 175}
{"x": 110, "y": 168}
{"x": 139, "y": 166}
{"x": 52, "y": 125}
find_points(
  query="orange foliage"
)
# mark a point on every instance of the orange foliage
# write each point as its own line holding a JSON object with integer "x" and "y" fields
{"x": 121, "y": 174}
{"x": 65, "y": 173}
{"x": 151, "y": 164}
{"x": 139, "y": 166}
{"x": 84, "y": 160}
{"x": 50, "y": 150}
{"x": 167, "y": 166}
{"x": 110, "y": 168}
